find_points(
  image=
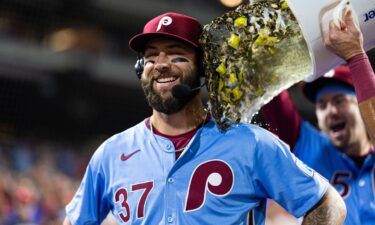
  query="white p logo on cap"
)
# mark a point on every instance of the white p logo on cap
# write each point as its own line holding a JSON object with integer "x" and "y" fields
{"x": 165, "y": 21}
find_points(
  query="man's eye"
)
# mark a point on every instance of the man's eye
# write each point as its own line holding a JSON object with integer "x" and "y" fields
{"x": 179, "y": 59}
{"x": 320, "y": 105}
{"x": 339, "y": 100}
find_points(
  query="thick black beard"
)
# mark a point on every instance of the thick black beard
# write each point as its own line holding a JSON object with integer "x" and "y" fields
{"x": 171, "y": 104}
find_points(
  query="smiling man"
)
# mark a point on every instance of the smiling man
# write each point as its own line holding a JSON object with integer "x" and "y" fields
{"x": 177, "y": 166}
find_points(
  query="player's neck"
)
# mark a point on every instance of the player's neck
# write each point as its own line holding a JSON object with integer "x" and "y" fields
{"x": 359, "y": 149}
{"x": 190, "y": 117}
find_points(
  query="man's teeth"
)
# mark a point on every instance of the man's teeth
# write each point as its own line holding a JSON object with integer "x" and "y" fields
{"x": 166, "y": 79}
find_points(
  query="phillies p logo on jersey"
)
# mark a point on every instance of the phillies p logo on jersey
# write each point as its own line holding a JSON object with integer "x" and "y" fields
{"x": 215, "y": 177}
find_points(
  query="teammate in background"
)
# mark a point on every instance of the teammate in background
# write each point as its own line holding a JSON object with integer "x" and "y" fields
{"x": 177, "y": 167}
{"x": 342, "y": 151}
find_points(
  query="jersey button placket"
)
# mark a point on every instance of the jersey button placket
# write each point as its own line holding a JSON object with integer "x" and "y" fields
{"x": 170, "y": 219}
{"x": 361, "y": 183}
{"x": 170, "y": 201}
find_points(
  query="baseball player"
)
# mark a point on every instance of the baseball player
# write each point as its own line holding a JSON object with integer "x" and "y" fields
{"x": 177, "y": 167}
{"x": 342, "y": 151}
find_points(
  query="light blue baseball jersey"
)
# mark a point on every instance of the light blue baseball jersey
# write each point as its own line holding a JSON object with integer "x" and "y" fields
{"x": 356, "y": 185}
{"x": 217, "y": 180}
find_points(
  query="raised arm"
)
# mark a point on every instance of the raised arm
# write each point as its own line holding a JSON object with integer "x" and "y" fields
{"x": 347, "y": 42}
{"x": 364, "y": 84}
{"x": 330, "y": 210}
{"x": 283, "y": 118}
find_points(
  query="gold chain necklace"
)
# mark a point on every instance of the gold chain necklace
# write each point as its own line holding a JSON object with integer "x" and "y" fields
{"x": 164, "y": 150}
{"x": 176, "y": 150}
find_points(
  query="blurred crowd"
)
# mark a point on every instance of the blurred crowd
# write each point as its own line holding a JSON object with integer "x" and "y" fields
{"x": 37, "y": 180}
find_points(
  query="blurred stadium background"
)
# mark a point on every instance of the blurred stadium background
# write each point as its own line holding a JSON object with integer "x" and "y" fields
{"x": 66, "y": 83}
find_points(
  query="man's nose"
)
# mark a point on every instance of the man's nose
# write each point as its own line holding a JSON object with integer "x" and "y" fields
{"x": 331, "y": 109}
{"x": 162, "y": 63}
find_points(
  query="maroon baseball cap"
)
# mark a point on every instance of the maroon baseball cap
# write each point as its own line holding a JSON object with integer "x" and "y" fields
{"x": 339, "y": 76}
{"x": 172, "y": 25}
